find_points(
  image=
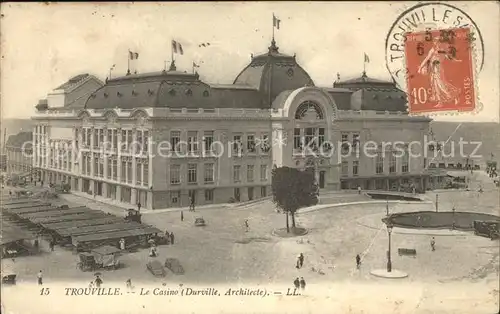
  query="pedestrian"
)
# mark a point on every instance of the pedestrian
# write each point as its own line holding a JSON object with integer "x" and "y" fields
{"x": 297, "y": 264}
{"x": 182, "y": 215}
{"x": 122, "y": 244}
{"x": 191, "y": 203}
{"x": 36, "y": 244}
{"x": 139, "y": 206}
{"x": 296, "y": 283}
{"x": 40, "y": 278}
{"x": 129, "y": 284}
{"x": 433, "y": 244}
{"x": 91, "y": 285}
{"x": 172, "y": 237}
{"x": 358, "y": 261}
{"x": 359, "y": 189}
{"x": 98, "y": 282}
{"x": 301, "y": 260}
{"x": 302, "y": 283}
{"x": 247, "y": 227}
{"x": 51, "y": 245}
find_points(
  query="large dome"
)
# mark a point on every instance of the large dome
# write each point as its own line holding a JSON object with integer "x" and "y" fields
{"x": 273, "y": 71}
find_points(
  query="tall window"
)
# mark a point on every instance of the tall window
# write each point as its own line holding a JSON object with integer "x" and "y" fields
{"x": 109, "y": 139}
{"x": 297, "y": 143}
{"x": 123, "y": 175}
{"x": 124, "y": 142}
{"x": 129, "y": 171}
{"x": 145, "y": 141}
{"x": 405, "y": 160}
{"x": 236, "y": 173}
{"x": 175, "y": 174}
{"x": 345, "y": 142}
{"x": 345, "y": 168}
{"x": 355, "y": 167}
{"x": 392, "y": 163}
{"x": 209, "y": 173}
{"x": 138, "y": 172}
{"x": 309, "y": 137}
{"x": 250, "y": 171}
{"x": 263, "y": 172}
{"x": 193, "y": 142}
{"x": 379, "y": 167}
{"x": 209, "y": 195}
{"x": 237, "y": 146}
{"x": 96, "y": 137}
{"x": 145, "y": 173}
{"x": 110, "y": 169}
{"x": 208, "y": 140}
{"x": 192, "y": 173}
{"x": 251, "y": 143}
{"x": 321, "y": 136}
{"x": 175, "y": 139}
{"x": 115, "y": 169}
{"x": 265, "y": 144}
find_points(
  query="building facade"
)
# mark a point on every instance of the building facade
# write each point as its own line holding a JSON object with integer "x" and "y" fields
{"x": 19, "y": 152}
{"x": 162, "y": 138}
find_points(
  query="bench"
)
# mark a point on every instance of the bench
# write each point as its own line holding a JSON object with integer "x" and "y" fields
{"x": 407, "y": 252}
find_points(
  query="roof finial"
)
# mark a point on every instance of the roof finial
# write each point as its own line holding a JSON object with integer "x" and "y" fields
{"x": 172, "y": 66}
{"x": 273, "y": 48}
{"x": 338, "y": 76}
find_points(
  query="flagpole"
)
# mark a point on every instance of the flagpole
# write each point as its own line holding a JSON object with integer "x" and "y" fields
{"x": 128, "y": 63}
{"x": 364, "y": 63}
{"x": 172, "y": 51}
{"x": 273, "y": 26}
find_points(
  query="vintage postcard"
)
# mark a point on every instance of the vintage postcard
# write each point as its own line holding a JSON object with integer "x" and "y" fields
{"x": 250, "y": 157}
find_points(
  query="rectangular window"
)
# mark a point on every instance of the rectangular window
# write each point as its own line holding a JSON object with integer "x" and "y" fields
{"x": 379, "y": 163}
{"x": 208, "y": 140}
{"x": 123, "y": 143}
{"x": 115, "y": 139}
{"x": 138, "y": 172}
{"x": 265, "y": 144}
{"x": 250, "y": 171}
{"x": 109, "y": 169}
{"x": 101, "y": 137}
{"x": 192, "y": 173}
{"x": 297, "y": 141}
{"x": 145, "y": 173}
{"x": 96, "y": 137}
{"x": 129, "y": 172}
{"x": 175, "y": 139}
{"x": 345, "y": 168}
{"x": 251, "y": 143}
{"x": 345, "y": 142}
{"x": 115, "y": 169}
{"x": 192, "y": 142}
{"x": 109, "y": 139}
{"x": 355, "y": 139}
{"x": 237, "y": 145}
{"x": 236, "y": 173}
{"x": 405, "y": 160}
{"x": 309, "y": 137}
{"x": 209, "y": 173}
{"x": 175, "y": 174}
{"x": 175, "y": 197}
{"x": 263, "y": 172}
{"x": 392, "y": 163}
{"x": 209, "y": 195}
{"x": 123, "y": 177}
{"x": 146, "y": 141}
{"x": 355, "y": 167}
{"x": 84, "y": 164}
{"x": 321, "y": 137}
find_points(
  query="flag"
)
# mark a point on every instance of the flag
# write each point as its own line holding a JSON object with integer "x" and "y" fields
{"x": 133, "y": 55}
{"x": 367, "y": 60}
{"x": 177, "y": 47}
{"x": 276, "y": 22}
{"x": 195, "y": 65}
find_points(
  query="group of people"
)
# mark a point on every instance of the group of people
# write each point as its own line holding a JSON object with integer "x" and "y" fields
{"x": 170, "y": 237}
{"x": 96, "y": 283}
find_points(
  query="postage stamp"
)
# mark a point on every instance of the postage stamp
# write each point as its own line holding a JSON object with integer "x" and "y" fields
{"x": 440, "y": 71}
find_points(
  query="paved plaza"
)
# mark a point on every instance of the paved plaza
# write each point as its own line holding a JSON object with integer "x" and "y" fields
{"x": 223, "y": 252}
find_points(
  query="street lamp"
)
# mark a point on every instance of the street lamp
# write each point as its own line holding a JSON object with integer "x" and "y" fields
{"x": 387, "y": 207}
{"x": 389, "y": 231}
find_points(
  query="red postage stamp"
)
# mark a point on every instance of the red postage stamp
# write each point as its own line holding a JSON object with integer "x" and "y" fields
{"x": 440, "y": 71}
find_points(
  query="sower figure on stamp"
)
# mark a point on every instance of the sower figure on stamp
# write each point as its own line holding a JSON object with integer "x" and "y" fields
{"x": 442, "y": 91}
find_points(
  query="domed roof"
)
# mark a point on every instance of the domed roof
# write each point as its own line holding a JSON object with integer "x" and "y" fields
{"x": 374, "y": 94}
{"x": 273, "y": 71}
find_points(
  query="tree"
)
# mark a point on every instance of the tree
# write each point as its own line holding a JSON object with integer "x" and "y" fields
{"x": 293, "y": 189}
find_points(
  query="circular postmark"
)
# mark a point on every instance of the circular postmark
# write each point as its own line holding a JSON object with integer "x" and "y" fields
{"x": 421, "y": 17}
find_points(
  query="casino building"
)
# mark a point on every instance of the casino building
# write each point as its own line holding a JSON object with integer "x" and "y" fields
{"x": 231, "y": 135}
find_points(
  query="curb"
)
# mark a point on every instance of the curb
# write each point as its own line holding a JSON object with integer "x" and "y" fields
{"x": 307, "y": 210}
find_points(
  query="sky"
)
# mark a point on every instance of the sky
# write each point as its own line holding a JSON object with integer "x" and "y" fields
{"x": 44, "y": 45}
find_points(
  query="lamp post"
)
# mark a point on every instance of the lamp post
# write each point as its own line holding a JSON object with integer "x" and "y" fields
{"x": 389, "y": 263}
{"x": 387, "y": 207}
{"x": 437, "y": 198}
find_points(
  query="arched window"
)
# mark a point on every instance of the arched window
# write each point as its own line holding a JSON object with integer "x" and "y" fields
{"x": 309, "y": 110}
